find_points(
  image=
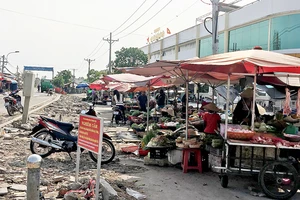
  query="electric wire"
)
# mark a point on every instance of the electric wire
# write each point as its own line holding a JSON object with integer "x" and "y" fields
{"x": 136, "y": 19}
{"x": 93, "y": 53}
{"x": 53, "y": 20}
{"x": 181, "y": 13}
{"x": 130, "y": 16}
{"x": 148, "y": 19}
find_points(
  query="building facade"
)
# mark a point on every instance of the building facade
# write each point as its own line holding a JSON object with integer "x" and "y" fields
{"x": 272, "y": 24}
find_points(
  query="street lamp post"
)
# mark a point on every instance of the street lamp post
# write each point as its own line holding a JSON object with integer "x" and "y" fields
{"x": 6, "y": 58}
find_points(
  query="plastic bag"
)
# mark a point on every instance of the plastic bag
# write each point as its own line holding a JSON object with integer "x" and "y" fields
{"x": 135, "y": 194}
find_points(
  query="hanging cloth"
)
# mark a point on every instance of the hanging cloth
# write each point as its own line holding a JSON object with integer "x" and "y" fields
{"x": 287, "y": 108}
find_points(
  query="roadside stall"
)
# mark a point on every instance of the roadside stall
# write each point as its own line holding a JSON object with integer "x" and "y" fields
{"x": 246, "y": 151}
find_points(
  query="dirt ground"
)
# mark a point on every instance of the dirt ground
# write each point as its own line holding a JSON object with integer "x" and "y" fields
{"x": 126, "y": 171}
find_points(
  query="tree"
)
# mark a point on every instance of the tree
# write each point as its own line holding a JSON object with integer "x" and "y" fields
{"x": 130, "y": 57}
{"x": 62, "y": 78}
{"x": 95, "y": 75}
{"x": 58, "y": 81}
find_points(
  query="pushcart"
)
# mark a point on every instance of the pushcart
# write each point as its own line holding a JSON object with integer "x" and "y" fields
{"x": 278, "y": 177}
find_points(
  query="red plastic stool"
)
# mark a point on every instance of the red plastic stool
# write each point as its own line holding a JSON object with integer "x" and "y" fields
{"x": 186, "y": 152}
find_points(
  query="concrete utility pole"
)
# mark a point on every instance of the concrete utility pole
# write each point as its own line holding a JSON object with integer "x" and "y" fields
{"x": 215, "y": 16}
{"x": 3, "y": 64}
{"x": 89, "y": 61}
{"x": 73, "y": 77}
{"x": 110, "y": 41}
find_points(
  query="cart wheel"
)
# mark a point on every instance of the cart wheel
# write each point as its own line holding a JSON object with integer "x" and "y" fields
{"x": 278, "y": 180}
{"x": 224, "y": 181}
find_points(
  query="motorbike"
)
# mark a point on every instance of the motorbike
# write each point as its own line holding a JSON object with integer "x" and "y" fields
{"x": 51, "y": 136}
{"x": 117, "y": 115}
{"x": 13, "y": 103}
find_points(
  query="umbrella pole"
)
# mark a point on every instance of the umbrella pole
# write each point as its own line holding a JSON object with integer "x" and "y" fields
{"x": 198, "y": 96}
{"x": 186, "y": 103}
{"x": 227, "y": 106}
{"x": 213, "y": 94}
{"x": 148, "y": 105}
{"x": 254, "y": 99}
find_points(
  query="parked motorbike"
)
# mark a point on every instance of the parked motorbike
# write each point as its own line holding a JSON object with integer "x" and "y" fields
{"x": 117, "y": 115}
{"x": 13, "y": 103}
{"x": 52, "y": 136}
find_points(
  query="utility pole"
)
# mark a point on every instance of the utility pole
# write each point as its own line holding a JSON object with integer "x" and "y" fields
{"x": 89, "y": 61}
{"x": 110, "y": 41}
{"x": 18, "y": 76}
{"x": 73, "y": 77}
{"x": 3, "y": 64}
{"x": 215, "y": 16}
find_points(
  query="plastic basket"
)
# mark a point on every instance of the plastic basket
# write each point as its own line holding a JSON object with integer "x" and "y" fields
{"x": 240, "y": 136}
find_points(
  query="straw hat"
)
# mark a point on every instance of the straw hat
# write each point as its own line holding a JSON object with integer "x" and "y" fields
{"x": 211, "y": 107}
{"x": 248, "y": 93}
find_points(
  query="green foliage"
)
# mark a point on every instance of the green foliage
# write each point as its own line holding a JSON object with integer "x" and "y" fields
{"x": 95, "y": 75}
{"x": 58, "y": 81}
{"x": 62, "y": 78}
{"x": 130, "y": 57}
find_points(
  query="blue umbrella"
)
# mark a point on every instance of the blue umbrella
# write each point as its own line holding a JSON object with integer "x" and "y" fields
{"x": 82, "y": 85}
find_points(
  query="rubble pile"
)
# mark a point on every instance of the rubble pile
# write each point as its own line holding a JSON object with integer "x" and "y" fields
{"x": 57, "y": 170}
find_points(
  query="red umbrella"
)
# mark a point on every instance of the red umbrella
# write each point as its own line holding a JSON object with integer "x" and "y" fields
{"x": 98, "y": 85}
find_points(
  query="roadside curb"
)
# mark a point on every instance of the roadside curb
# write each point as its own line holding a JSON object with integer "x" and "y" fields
{"x": 43, "y": 104}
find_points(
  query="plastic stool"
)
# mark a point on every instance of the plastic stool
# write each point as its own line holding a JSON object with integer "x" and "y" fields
{"x": 186, "y": 156}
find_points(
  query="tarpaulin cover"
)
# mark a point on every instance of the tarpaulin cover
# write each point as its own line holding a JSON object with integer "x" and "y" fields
{"x": 245, "y": 62}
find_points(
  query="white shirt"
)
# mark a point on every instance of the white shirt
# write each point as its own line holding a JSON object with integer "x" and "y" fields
{"x": 120, "y": 102}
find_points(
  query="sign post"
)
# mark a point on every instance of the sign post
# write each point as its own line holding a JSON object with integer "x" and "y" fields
{"x": 90, "y": 135}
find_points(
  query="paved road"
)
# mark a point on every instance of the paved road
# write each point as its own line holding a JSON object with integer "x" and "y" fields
{"x": 38, "y": 98}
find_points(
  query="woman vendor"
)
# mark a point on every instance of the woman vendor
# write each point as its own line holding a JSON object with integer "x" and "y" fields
{"x": 211, "y": 118}
{"x": 242, "y": 112}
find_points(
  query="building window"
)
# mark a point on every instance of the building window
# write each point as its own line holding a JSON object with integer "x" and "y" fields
{"x": 285, "y": 31}
{"x": 247, "y": 37}
{"x": 206, "y": 46}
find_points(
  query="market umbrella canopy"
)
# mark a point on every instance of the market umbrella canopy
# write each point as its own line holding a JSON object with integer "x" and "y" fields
{"x": 160, "y": 67}
{"x": 245, "y": 62}
{"x": 82, "y": 85}
{"x": 98, "y": 85}
{"x": 127, "y": 78}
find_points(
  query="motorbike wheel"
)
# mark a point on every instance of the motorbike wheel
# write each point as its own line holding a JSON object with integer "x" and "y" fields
{"x": 108, "y": 152}
{"x": 39, "y": 149}
{"x": 10, "y": 110}
{"x": 21, "y": 109}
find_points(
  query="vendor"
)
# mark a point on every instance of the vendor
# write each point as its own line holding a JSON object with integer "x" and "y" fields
{"x": 211, "y": 118}
{"x": 242, "y": 112}
{"x": 161, "y": 99}
{"x": 142, "y": 100}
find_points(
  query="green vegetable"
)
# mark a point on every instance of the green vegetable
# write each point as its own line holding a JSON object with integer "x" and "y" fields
{"x": 146, "y": 139}
{"x": 136, "y": 113}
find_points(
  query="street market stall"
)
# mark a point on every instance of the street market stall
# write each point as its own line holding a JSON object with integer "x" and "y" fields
{"x": 278, "y": 176}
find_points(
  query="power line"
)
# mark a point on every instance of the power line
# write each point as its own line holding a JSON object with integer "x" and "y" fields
{"x": 181, "y": 13}
{"x": 97, "y": 50}
{"x": 148, "y": 19}
{"x": 137, "y": 18}
{"x": 130, "y": 16}
{"x": 53, "y": 20}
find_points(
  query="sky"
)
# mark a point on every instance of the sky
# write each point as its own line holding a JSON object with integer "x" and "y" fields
{"x": 62, "y": 33}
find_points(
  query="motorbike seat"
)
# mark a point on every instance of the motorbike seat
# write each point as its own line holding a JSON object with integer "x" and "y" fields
{"x": 67, "y": 127}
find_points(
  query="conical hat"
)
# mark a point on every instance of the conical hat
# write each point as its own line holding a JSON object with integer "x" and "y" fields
{"x": 211, "y": 107}
{"x": 248, "y": 93}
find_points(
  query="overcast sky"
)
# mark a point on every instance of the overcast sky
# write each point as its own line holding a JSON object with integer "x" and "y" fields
{"x": 61, "y": 33}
